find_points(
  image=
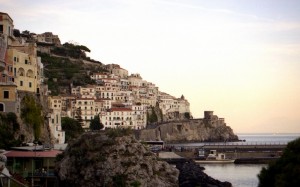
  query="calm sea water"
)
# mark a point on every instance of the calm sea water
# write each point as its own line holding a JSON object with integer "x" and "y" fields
{"x": 282, "y": 138}
{"x": 245, "y": 175}
{"x": 239, "y": 175}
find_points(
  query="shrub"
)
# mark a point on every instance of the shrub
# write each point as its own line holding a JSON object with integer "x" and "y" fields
{"x": 118, "y": 132}
{"x": 284, "y": 171}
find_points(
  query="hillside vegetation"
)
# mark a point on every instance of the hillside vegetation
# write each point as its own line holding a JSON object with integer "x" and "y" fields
{"x": 66, "y": 65}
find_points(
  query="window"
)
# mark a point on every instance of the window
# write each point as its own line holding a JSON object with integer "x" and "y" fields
{"x": 26, "y": 61}
{"x": 21, "y": 83}
{"x": 1, "y": 107}
{"x": 6, "y": 94}
{"x": 30, "y": 84}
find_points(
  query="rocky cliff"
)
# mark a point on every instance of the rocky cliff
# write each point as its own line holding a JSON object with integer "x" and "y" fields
{"x": 210, "y": 128}
{"x": 107, "y": 159}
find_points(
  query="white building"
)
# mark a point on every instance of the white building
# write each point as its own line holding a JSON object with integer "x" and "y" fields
{"x": 85, "y": 109}
{"x": 54, "y": 119}
{"x": 117, "y": 118}
{"x": 88, "y": 91}
{"x": 99, "y": 76}
{"x": 135, "y": 80}
{"x": 139, "y": 115}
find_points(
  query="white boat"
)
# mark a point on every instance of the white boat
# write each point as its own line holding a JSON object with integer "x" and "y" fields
{"x": 215, "y": 158}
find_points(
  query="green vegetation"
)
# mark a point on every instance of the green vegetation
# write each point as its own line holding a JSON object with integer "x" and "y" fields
{"x": 135, "y": 184}
{"x": 62, "y": 71}
{"x": 187, "y": 115}
{"x": 152, "y": 118}
{"x": 8, "y": 126}
{"x": 59, "y": 157}
{"x": 119, "y": 180}
{"x": 78, "y": 117}
{"x": 285, "y": 171}
{"x": 118, "y": 132}
{"x": 31, "y": 113}
{"x": 72, "y": 128}
{"x": 95, "y": 123}
{"x": 71, "y": 50}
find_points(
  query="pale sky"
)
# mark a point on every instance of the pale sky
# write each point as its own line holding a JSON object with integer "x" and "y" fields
{"x": 239, "y": 58}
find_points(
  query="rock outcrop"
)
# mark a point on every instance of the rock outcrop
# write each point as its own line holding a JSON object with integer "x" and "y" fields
{"x": 210, "y": 128}
{"x": 103, "y": 159}
{"x": 191, "y": 175}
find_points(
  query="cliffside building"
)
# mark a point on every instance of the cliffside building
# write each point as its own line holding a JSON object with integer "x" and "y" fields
{"x": 54, "y": 119}
{"x": 8, "y": 90}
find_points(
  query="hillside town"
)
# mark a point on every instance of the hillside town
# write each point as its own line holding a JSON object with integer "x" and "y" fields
{"x": 119, "y": 99}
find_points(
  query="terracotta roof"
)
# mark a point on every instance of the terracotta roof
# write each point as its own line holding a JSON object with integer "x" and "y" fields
{"x": 5, "y": 14}
{"x": 120, "y": 109}
{"x": 39, "y": 154}
{"x": 86, "y": 99}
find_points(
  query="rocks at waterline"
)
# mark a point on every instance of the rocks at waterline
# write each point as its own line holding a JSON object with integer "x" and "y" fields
{"x": 191, "y": 175}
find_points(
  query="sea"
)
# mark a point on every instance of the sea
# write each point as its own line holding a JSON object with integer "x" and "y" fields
{"x": 245, "y": 175}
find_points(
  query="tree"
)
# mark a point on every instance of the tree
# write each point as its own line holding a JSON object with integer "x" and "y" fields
{"x": 152, "y": 117}
{"x": 31, "y": 113}
{"x": 187, "y": 115}
{"x": 8, "y": 127}
{"x": 17, "y": 33}
{"x": 285, "y": 171}
{"x": 78, "y": 116}
{"x": 72, "y": 128}
{"x": 95, "y": 123}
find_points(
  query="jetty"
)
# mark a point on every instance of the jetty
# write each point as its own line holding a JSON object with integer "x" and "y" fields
{"x": 249, "y": 153}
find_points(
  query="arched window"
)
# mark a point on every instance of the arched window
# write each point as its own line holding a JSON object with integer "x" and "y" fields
{"x": 21, "y": 72}
{"x": 29, "y": 73}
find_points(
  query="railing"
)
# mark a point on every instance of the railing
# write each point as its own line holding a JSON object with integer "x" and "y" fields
{"x": 232, "y": 146}
{"x": 245, "y": 143}
{"x": 14, "y": 180}
{"x": 229, "y": 144}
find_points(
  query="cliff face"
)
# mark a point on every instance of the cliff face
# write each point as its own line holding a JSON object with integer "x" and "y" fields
{"x": 96, "y": 159}
{"x": 210, "y": 128}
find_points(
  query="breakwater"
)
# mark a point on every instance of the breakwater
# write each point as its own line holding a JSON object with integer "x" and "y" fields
{"x": 242, "y": 153}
